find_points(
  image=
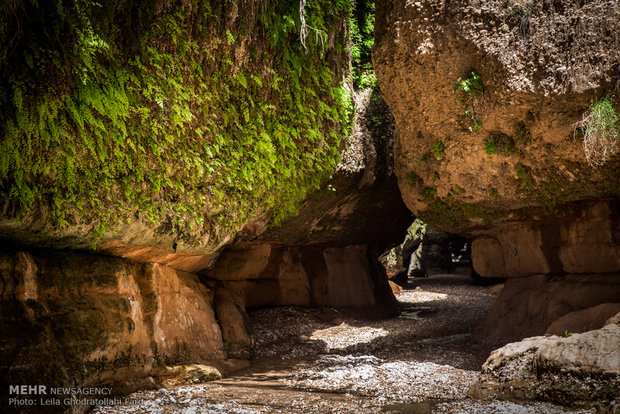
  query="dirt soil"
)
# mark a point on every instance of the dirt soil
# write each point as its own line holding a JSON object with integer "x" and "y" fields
{"x": 326, "y": 361}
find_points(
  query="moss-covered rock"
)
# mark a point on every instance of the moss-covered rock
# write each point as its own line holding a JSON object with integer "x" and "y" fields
{"x": 165, "y": 123}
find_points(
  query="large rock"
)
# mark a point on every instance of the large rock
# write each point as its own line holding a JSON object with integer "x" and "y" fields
{"x": 528, "y": 306}
{"x": 221, "y": 140}
{"x": 326, "y": 254}
{"x": 584, "y": 320}
{"x": 583, "y": 369}
{"x": 532, "y": 203}
{"x": 74, "y": 319}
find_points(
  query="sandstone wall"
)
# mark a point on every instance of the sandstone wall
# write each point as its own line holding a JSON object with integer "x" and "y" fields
{"x": 272, "y": 275}
{"x": 74, "y": 319}
{"x": 584, "y": 238}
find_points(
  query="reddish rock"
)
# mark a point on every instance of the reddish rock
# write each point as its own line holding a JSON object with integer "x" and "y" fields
{"x": 273, "y": 275}
{"x": 75, "y": 319}
{"x": 528, "y": 306}
{"x": 234, "y": 323}
{"x": 530, "y": 199}
{"x": 584, "y": 320}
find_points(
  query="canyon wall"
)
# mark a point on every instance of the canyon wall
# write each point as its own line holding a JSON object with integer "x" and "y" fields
{"x": 77, "y": 319}
{"x": 487, "y": 97}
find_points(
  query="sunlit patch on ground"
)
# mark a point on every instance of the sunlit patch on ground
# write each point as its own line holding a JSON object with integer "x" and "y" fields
{"x": 344, "y": 335}
{"x": 420, "y": 296}
{"x": 388, "y": 380}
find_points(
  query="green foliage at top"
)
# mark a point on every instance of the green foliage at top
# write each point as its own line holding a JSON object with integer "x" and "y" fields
{"x": 600, "y": 127}
{"x": 472, "y": 85}
{"x": 174, "y": 113}
{"x": 362, "y": 27}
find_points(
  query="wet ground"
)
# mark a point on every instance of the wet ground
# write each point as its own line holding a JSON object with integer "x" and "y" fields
{"x": 325, "y": 361}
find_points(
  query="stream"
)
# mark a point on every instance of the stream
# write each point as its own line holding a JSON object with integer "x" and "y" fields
{"x": 327, "y": 361}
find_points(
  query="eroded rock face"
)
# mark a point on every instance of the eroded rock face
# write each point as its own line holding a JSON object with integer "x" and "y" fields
{"x": 582, "y": 369}
{"x": 582, "y": 239}
{"x": 235, "y": 324}
{"x": 361, "y": 204}
{"x": 502, "y": 164}
{"x": 74, "y": 319}
{"x": 273, "y": 275}
{"x": 529, "y": 306}
{"x": 584, "y": 320}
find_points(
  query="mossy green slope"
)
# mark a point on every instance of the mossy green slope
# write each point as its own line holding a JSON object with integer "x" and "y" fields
{"x": 194, "y": 116}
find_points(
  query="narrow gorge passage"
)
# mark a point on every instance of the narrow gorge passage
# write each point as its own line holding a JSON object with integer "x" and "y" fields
{"x": 323, "y": 360}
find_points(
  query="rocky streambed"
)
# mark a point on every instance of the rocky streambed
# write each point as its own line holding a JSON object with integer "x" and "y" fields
{"x": 326, "y": 361}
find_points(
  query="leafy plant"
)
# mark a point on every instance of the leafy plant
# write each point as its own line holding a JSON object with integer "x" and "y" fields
{"x": 472, "y": 85}
{"x": 490, "y": 147}
{"x": 417, "y": 229}
{"x": 362, "y": 27}
{"x": 412, "y": 177}
{"x": 475, "y": 126}
{"x": 429, "y": 193}
{"x": 499, "y": 141}
{"x": 438, "y": 149}
{"x": 423, "y": 158}
{"x": 600, "y": 128}
{"x": 524, "y": 174}
{"x": 521, "y": 134}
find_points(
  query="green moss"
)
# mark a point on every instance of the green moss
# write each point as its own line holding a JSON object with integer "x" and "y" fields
{"x": 116, "y": 109}
{"x": 429, "y": 193}
{"x": 452, "y": 214}
{"x": 412, "y": 177}
{"x": 498, "y": 142}
{"x": 521, "y": 134}
{"x": 524, "y": 174}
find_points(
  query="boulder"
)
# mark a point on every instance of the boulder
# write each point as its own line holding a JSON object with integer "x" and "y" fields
{"x": 190, "y": 374}
{"x": 396, "y": 289}
{"x": 582, "y": 238}
{"x": 583, "y": 369}
{"x": 434, "y": 252}
{"x": 361, "y": 203}
{"x": 528, "y": 306}
{"x": 584, "y": 320}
